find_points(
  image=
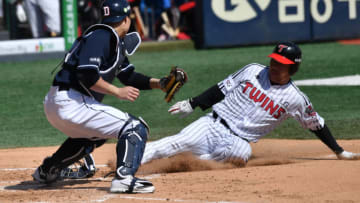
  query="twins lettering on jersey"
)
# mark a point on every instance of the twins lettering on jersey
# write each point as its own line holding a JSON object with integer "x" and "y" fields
{"x": 267, "y": 103}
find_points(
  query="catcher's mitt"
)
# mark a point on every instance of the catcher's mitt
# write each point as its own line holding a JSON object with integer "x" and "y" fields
{"x": 173, "y": 82}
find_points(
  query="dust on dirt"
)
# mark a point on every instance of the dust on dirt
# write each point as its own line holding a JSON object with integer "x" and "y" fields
{"x": 278, "y": 171}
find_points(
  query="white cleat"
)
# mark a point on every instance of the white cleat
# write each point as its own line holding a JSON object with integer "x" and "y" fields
{"x": 131, "y": 184}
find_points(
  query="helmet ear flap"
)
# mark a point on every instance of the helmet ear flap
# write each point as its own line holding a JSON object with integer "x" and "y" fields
{"x": 293, "y": 69}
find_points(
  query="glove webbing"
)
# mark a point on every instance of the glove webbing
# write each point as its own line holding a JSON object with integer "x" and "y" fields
{"x": 172, "y": 92}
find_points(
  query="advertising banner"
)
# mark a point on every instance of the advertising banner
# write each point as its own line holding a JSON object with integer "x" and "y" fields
{"x": 31, "y": 46}
{"x": 70, "y": 19}
{"x": 223, "y": 23}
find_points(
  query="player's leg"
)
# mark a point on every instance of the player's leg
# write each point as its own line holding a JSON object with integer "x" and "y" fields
{"x": 130, "y": 149}
{"x": 34, "y": 15}
{"x": 83, "y": 120}
{"x": 225, "y": 146}
{"x": 192, "y": 138}
{"x": 84, "y": 168}
{"x": 51, "y": 15}
{"x": 241, "y": 149}
{"x": 228, "y": 147}
{"x": 80, "y": 116}
{"x": 69, "y": 152}
{"x": 232, "y": 149}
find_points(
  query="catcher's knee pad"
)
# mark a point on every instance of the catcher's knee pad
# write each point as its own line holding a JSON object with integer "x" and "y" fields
{"x": 130, "y": 148}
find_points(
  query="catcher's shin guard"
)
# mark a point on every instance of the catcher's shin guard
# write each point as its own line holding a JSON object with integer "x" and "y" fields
{"x": 130, "y": 148}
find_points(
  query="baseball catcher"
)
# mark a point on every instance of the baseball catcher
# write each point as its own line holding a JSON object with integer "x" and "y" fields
{"x": 172, "y": 83}
{"x": 73, "y": 103}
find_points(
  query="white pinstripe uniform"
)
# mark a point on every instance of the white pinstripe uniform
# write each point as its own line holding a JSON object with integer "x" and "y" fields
{"x": 252, "y": 108}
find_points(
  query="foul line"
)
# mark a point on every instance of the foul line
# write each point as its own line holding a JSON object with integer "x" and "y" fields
{"x": 25, "y": 169}
{"x": 171, "y": 200}
{"x": 5, "y": 184}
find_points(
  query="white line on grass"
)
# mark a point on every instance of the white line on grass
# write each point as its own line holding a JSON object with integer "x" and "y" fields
{"x": 351, "y": 80}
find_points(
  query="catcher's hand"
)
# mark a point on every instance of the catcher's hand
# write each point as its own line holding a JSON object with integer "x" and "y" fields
{"x": 173, "y": 82}
{"x": 345, "y": 155}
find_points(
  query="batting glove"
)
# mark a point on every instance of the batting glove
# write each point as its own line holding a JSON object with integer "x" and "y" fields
{"x": 348, "y": 156}
{"x": 182, "y": 107}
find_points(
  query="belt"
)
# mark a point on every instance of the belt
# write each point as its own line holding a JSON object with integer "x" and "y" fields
{"x": 63, "y": 88}
{"x": 222, "y": 121}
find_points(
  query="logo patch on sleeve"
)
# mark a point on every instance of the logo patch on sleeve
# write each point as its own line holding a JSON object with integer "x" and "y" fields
{"x": 310, "y": 111}
{"x": 95, "y": 60}
{"x": 229, "y": 84}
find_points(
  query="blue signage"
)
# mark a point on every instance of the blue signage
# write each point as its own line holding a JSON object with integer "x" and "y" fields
{"x": 224, "y": 23}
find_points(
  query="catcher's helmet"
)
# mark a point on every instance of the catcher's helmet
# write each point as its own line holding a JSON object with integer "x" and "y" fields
{"x": 113, "y": 11}
{"x": 287, "y": 53}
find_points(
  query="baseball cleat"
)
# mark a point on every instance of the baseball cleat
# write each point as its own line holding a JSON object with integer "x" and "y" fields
{"x": 78, "y": 171}
{"x": 131, "y": 184}
{"x": 42, "y": 177}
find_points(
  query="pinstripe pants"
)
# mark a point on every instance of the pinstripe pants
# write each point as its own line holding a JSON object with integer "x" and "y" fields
{"x": 80, "y": 116}
{"x": 206, "y": 138}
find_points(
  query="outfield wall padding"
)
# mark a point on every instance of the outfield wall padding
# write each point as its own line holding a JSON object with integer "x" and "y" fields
{"x": 226, "y": 23}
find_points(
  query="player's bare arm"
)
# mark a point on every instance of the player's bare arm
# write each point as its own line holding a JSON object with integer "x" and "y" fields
{"x": 155, "y": 83}
{"x": 124, "y": 93}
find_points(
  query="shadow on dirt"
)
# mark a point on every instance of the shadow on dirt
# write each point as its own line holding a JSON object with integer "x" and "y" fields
{"x": 60, "y": 185}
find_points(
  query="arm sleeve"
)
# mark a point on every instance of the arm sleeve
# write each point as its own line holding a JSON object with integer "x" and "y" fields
{"x": 326, "y": 137}
{"x": 135, "y": 79}
{"x": 128, "y": 76}
{"x": 208, "y": 98}
{"x": 311, "y": 120}
{"x": 217, "y": 92}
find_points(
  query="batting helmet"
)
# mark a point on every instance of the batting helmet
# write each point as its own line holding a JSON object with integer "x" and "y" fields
{"x": 287, "y": 53}
{"x": 113, "y": 11}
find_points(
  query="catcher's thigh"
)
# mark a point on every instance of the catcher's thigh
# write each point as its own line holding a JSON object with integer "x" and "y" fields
{"x": 79, "y": 116}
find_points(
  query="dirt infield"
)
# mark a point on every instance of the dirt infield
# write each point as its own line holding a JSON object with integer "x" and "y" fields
{"x": 279, "y": 171}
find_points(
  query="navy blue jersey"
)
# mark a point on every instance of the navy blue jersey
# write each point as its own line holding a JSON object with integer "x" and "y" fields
{"x": 98, "y": 53}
